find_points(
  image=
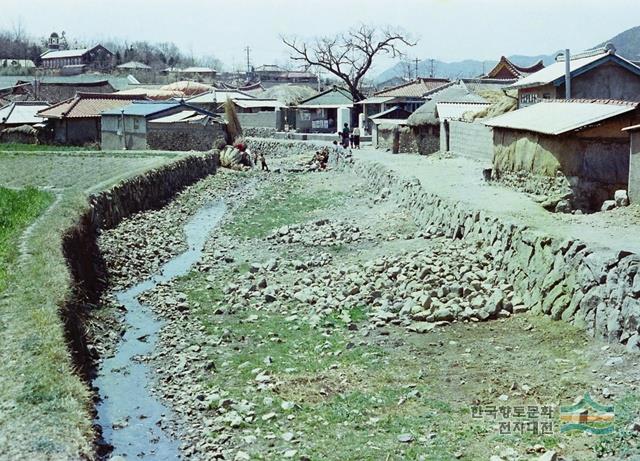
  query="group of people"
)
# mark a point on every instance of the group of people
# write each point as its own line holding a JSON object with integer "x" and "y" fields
{"x": 321, "y": 158}
{"x": 350, "y": 138}
{"x": 251, "y": 159}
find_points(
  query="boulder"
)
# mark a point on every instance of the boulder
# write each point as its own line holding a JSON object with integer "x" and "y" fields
{"x": 621, "y": 198}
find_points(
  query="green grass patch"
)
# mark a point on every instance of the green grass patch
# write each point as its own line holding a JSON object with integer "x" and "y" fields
{"x": 20, "y": 147}
{"x": 279, "y": 205}
{"x": 18, "y": 208}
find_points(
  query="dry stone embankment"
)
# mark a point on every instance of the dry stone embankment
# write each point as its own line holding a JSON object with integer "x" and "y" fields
{"x": 564, "y": 279}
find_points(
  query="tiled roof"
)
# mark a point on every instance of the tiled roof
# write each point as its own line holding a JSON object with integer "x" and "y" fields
{"x": 89, "y": 105}
{"x": 513, "y": 69}
{"x": 414, "y": 89}
{"x": 455, "y": 92}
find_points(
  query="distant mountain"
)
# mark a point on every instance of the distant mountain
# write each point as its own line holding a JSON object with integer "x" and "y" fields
{"x": 627, "y": 44}
{"x": 469, "y": 68}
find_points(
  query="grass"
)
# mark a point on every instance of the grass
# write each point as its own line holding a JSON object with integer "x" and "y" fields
{"x": 18, "y": 208}
{"x": 277, "y": 206}
{"x": 20, "y": 147}
{"x": 45, "y": 408}
{"x": 354, "y": 394}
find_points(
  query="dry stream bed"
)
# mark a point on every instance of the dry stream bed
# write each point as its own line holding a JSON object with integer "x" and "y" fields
{"x": 320, "y": 323}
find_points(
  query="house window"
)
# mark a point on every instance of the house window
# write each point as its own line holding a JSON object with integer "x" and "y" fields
{"x": 136, "y": 123}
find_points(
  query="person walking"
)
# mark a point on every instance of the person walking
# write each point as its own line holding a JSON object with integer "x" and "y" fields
{"x": 345, "y": 135}
{"x": 263, "y": 162}
{"x": 356, "y": 138}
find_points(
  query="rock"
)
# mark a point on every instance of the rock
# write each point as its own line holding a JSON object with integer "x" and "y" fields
{"x": 405, "y": 438}
{"x": 608, "y": 205}
{"x": 633, "y": 343}
{"x": 549, "y": 456}
{"x": 621, "y": 198}
{"x": 242, "y": 456}
{"x": 290, "y": 453}
{"x": 563, "y": 206}
{"x": 421, "y": 327}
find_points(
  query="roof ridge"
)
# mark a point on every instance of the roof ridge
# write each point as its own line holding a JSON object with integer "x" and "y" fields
{"x": 618, "y": 102}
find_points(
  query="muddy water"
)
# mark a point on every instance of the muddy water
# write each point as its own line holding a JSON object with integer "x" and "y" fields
{"x": 127, "y": 412}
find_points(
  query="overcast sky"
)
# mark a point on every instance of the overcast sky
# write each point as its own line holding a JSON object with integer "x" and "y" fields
{"x": 448, "y": 30}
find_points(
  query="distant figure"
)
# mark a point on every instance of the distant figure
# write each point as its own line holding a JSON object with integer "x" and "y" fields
{"x": 263, "y": 162}
{"x": 345, "y": 135}
{"x": 356, "y": 138}
{"x": 254, "y": 158}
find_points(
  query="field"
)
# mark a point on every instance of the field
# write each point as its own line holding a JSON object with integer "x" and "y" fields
{"x": 44, "y": 405}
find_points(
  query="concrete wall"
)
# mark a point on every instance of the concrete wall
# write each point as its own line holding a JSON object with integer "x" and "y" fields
{"x": 564, "y": 279}
{"x": 471, "y": 139}
{"x": 634, "y": 168}
{"x": 184, "y": 136}
{"x": 597, "y": 167}
{"x": 135, "y": 133}
{"x": 272, "y": 119}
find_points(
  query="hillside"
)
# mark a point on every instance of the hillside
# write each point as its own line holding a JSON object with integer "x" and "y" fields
{"x": 627, "y": 43}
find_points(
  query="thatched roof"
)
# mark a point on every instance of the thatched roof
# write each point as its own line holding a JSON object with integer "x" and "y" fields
{"x": 426, "y": 114}
{"x": 289, "y": 94}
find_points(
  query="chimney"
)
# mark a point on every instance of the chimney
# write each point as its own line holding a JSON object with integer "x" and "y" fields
{"x": 567, "y": 73}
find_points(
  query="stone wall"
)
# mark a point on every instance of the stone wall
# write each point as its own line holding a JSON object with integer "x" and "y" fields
{"x": 471, "y": 139}
{"x": 565, "y": 279}
{"x": 283, "y": 148}
{"x": 184, "y": 136}
{"x": 406, "y": 140}
{"x": 259, "y": 132}
{"x": 427, "y": 139}
{"x": 105, "y": 211}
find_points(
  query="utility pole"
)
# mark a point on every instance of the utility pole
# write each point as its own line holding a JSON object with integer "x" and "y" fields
{"x": 431, "y": 67}
{"x": 248, "y": 50}
{"x": 416, "y": 61}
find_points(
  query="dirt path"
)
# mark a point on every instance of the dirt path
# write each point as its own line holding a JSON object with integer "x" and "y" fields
{"x": 322, "y": 324}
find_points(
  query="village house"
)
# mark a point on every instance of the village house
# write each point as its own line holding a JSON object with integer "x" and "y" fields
{"x": 17, "y": 63}
{"x": 214, "y": 99}
{"x": 145, "y": 125}
{"x": 580, "y": 140}
{"x": 598, "y": 74}
{"x": 95, "y": 58}
{"x": 325, "y": 112}
{"x": 270, "y": 75}
{"x": 407, "y": 96}
{"x": 22, "y": 113}
{"x": 77, "y": 120}
{"x": 425, "y": 123}
{"x": 133, "y": 66}
{"x": 386, "y": 127}
{"x": 507, "y": 70}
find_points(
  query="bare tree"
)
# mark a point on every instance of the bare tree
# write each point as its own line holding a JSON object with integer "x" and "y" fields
{"x": 349, "y": 55}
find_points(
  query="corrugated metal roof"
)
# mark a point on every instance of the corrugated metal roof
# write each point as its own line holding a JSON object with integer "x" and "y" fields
{"x": 455, "y": 110}
{"x": 89, "y": 105}
{"x": 65, "y": 53}
{"x": 556, "y": 71}
{"x": 334, "y": 97}
{"x": 142, "y": 108}
{"x": 219, "y": 96}
{"x": 178, "y": 117}
{"x": 560, "y": 116}
{"x": 22, "y": 113}
{"x": 199, "y": 70}
{"x": 257, "y": 103}
{"x": 377, "y": 100}
{"x": 458, "y": 92}
{"x": 134, "y": 65}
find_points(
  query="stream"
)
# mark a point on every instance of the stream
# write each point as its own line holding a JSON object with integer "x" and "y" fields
{"x": 130, "y": 416}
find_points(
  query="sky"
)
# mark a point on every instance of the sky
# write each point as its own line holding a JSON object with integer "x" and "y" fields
{"x": 448, "y": 30}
